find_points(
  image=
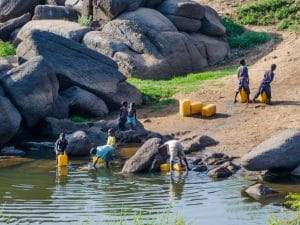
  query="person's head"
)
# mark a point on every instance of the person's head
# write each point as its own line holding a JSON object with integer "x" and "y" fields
{"x": 132, "y": 105}
{"x": 273, "y": 67}
{"x": 62, "y": 136}
{"x": 93, "y": 151}
{"x": 243, "y": 62}
{"x": 124, "y": 104}
{"x": 110, "y": 132}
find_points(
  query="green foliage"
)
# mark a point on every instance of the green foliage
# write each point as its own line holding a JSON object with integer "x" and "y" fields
{"x": 78, "y": 119}
{"x": 239, "y": 38}
{"x": 156, "y": 90}
{"x": 6, "y": 49}
{"x": 85, "y": 21}
{"x": 284, "y": 13}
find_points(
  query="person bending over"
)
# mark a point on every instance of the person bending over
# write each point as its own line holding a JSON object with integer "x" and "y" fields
{"x": 105, "y": 153}
{"x": 60, "y": 145}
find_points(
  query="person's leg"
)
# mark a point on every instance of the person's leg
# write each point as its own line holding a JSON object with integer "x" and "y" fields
{"x": 236, "y": 94}
{"x": 269, "y": 94}
{"x": 259, "y": 90}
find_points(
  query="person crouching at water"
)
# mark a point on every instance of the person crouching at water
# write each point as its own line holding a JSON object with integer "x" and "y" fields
{"x": 123, "y": 116}
{"x": 111, "y": 139}
{"x": 60, "y": 145}
{"x": 131, "y": 118}
{"x": 243, "y": 80}
{"x": 175, "y": 149}
{"x": 105, "y": 153}
{"x": 265, "y": 85}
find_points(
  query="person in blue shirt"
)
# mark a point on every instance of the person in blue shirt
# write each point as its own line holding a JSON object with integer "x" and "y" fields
{"x": 265, "y": 84}
{"x": 106, "y": 153}
{"x": 243, "y": 80}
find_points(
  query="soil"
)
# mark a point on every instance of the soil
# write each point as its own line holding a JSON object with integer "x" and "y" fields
{"x": 240, "y": 127}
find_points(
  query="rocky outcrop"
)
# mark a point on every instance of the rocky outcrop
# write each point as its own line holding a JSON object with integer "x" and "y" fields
{"x": 6, "y": 64}
{"x": 53, "y": 12}
{"x": 33, "y": 82}
{"x": 11, "y": 9}
{"x": 197, "y": 143}
{"x": 59, "y": 109}
{"x": 10, "y": 120}
{"x": 296, "y": 171}
{"x": 259, "y": 191}
{"x": 219, "y": 172}
{"x": 279, "y": 151}
{"x": 75, "y": 4}
{"x": 9, "y": 26}
{"x": 78, "y": 144}
{"x": 55, "y": 2}
{"x": 216, "y": 159}
{"x": 79, "y": 66}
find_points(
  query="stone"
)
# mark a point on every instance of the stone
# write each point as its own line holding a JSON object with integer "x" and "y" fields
{"x": 216, "y": 159}
{"x": 10, "y": 120}
{"x": 11, "y": 151}
{"x": 37, "y": 145}
{"x": 13, "y": 36}
{"x": 197, "y": 161}
{"x": 33, "y": 81}
{"x": 211, "y": 24}
{"x": 87, "y": 9}
{"x": 219, "y": 172}
{"x": 67, "y": 29}
{"x": 53, "y": 12}
{"x": 84, "y": 103}
{"x": 232, "y": 167}
{"x": 152, "y": 3}
{"x": 200, "y": 168}
{"x": 11, "y": 9}
{"x": 55, "y": 2}
{"x": 75, "y": 4}
{"x": 143, "y": 159}
{"x": 78, "y": 144}
{"x": 59, "y": 109}
{"x": 279, "y": 151}
{"x": 80, "y": 66}
{"x": 9, "y": 26}
{"x": 259, "y": 191}
{"x": 6, "y": 64}
{"x": 296, "y": 171}
{"x": 197, "y": 143}
{"x": 185, "y": 24}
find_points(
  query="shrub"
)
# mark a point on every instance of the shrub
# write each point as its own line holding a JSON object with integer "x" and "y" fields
{"x": 78, "y": 119}
{"x": 85, "y": 21}
{"x": 6, "y": 49}
{"x": 248, "y": 39}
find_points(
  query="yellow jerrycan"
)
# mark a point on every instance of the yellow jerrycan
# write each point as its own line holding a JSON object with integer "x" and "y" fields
{"x": 263, "y": 98}
{"x": 185, "y": 107}
{"x": 165, "y": 167}
{"x": 243, "y": 96}
{"x": 62, "y": 160}
{"x": 178, "y": 167}
{"x": 100, "y": 161}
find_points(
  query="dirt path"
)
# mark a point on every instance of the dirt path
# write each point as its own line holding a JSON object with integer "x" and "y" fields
{"x": 240, "y": 127}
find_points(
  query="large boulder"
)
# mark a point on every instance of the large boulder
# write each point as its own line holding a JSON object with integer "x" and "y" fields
{"x": 60, "y": 108}
{"x": 197, "y": 143}
{"x": 9, "y": 26}
{"x": 279, "y": 151}
{"x": 78, "y": 144}
{"x": 55, "y": 2}
{"x": 33, "y": 82}
{"x": 79, "y": 66}
{"x": 12, "y": 151}
{"x": 84, "y": 103}
{"x": 11, "y": 9}
{"x": 67, "y": 29}
{"x": 143, "y": 159}
{"x": 259, "y": 191}
{"x": 53, "y": 12}
{"x": 7, "y": 63}
{"x": 296, "y": 171}
{"x": 152, "y": 47}
{"x": 152, "y": 3}
{"x": 75, "y": 4}
{"x": 10, "y": 120}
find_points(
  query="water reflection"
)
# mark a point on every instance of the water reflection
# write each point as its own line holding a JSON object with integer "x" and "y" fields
{"x": 177, "y": 181}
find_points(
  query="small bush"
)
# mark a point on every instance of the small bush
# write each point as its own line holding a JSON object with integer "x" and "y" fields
{"x": 85, "y": 21}
{"x": 248, "y": 39}
{"x": 78, "y": 119}
{"x": 284, "y": 24}
{"x": 6, "y": 49}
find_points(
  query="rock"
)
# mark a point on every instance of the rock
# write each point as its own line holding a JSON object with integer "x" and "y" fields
{"x": 296, "y": 172}
{"x": 75, "y": 4}
{"x": 55, "y": 2}
{"x": 84, "y": 103}
{"x": 7, "y": 63}
{"x": 152, "y": 3}
{"x": 198, "y": 161}
{"x": 147, "y": 121}
{"x": 2, "y": 94}
{"x": 152, "y": 47}
{"x": 60, "y": 108}
{"x": 280, "y": 151}
{"x": 135, "y": 136}
{"x": 11, "y": 9}
{"x": 200, "y": 168}
{"x": 53, "y": 12}
{"x": 33, "y": 81}
{"x": 219, "y": 172}
{"x": 78, "y": 144}
{"x": 87, "y": 9}
{"x": 97, "y": 136}
{"x": 10, "y": 120}
{"x": 259, "y": 191}
{"x": 13, "y": 36}
{"x": 9, "y": 26}
{"x": 197, "y": 143}
{"x": 38, "y": 145}
{"x": 211, "y": 24}
{"x": 216, "y": 159}
{"x": 80, "y": 66}
{"x": 11, "y": 151}
{"x": 143, "y": 159}
{"x": 184, "y": 23}
{"x": 109, "y": 9}
{"x": 232, "y": 167}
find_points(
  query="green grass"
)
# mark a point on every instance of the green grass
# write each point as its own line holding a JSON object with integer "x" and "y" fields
{"x": 238, "y": 37}
{"x": 85, "y": 21}
{"x": 157, "y": 90}
{"x": 283, "y": 13}
{"x": 78, "y": 119}
{"x": 6, "y": 49}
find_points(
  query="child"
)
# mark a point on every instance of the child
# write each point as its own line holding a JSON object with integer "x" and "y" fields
{"x": 105, "y": 152}
{"x": 111, "y": 139}
{"x": 123, "y": 116}
{"x": 265, "y": 85}
{"x": 131, "y": 119}
{"x": 243, "y": 80}
{"x": 60, "y": 145}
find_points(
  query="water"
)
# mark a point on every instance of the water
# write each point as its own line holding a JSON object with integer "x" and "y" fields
{"x": 35, "y": 193}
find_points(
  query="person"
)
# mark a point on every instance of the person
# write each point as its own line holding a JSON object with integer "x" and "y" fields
{"x": 265, "y": 85}
{"x": 60, "y": 145}
{"x": 111, "y": 139}
{"x": 131, "y": 118}
{"x": 105, "y": 153}
{"x": 123, "y": 116}
{"x": 175, "y": 149}
{"x": 243, "y": 80}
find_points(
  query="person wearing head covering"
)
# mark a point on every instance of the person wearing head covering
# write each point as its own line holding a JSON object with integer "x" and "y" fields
{"x": 123, "y": 116}
{"x": 243, "y": 80}
{"x": 265, "y": 85}
{"x": 60, "y": 145}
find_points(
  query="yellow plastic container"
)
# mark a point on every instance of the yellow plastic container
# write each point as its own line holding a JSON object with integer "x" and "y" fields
{"x": 165, "y": 167}
{"x": 185, "y": 107}
{"x": 209, "y": 110}
{"x": 178, "y": 167}
{"x": 100, "y": 161}
{"x": 263, "y": 98}
{"x": 243, "y": 96}
{"x": 62, "y": 160}
{"x": 196, "y": 108}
